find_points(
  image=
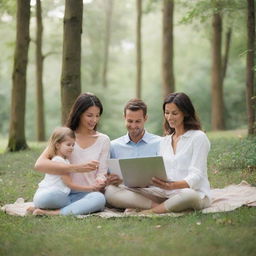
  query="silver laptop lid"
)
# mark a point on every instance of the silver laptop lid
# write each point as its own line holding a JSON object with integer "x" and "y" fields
{"x": 138, "y": 172}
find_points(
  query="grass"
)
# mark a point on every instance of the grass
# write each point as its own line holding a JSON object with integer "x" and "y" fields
{"x": 232, "y": 159}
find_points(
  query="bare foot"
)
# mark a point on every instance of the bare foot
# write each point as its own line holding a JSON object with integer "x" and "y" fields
{"x": 31, "y": 209}
{"x": 157, "y": 209}
{"x": 39, "y": 211}
{"x": 127, "y": 210}
{"x": 131, "y": 210}
{"x": 149, "y": 211}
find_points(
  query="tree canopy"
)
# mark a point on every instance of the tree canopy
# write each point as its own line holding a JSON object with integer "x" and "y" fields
{"x": 192, "y": 60}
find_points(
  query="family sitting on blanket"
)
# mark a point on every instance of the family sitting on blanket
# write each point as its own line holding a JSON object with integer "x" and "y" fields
{"x": 75, "y": 162}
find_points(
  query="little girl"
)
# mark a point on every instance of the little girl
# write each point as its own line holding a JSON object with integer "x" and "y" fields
{"x": 60, "y": 147}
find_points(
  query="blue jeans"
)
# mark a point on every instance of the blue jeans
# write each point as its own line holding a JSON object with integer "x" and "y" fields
{"x": 74, "y": 203}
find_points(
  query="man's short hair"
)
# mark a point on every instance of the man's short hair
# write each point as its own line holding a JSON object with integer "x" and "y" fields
{"x": 135, "y": 105}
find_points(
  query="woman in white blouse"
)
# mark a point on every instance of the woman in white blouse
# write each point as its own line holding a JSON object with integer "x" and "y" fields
{"x": 88, "y": 162}
{"x": 184, "y": 149}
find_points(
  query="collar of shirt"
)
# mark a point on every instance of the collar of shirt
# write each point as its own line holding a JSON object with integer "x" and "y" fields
{"x": 187, "y": 134}
{"x": 145, "y": 138}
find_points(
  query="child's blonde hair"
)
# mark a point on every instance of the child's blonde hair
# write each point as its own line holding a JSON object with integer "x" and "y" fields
{"x": 58, "y": 136}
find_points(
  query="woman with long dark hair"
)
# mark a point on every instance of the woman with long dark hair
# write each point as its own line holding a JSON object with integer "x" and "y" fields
{"x": 184, "y": 149}
{"x": 88, "y": 162}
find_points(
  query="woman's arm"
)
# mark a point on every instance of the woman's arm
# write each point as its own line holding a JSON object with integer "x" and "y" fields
{"x": 68, "y": 182}
{"x": 45, "y": 165}
{"x": 197, "y": 170}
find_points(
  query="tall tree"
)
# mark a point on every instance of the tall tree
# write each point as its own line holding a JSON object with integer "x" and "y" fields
{"x": 109, "y": 10}
{"x": 167, "y": 48}
{"x": 250, "y": 67}
{"x": 217, "y": 86}
{"x": 226, "y": 53}
{"x": 71, "y": 59}
{"x": 39, "y": 74}
{"x": 215, "y": 10}
{"x": 138, "y": 49}
{"x": 17, "y": 140}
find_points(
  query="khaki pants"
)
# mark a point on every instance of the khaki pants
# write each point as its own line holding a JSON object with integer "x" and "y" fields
{"x": 121, "y": 197}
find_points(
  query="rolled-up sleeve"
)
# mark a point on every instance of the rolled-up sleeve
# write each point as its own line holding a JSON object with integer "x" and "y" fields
{"x": 197, "y": 170}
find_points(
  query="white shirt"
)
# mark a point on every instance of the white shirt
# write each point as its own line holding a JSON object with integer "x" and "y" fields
{"x": 189, "y": 163}
{"x": 51, "y": 181}
{"x": 98, "y": 151}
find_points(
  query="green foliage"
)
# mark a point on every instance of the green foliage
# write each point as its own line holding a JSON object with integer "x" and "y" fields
{"x": 192, "y": 62}
{"x": 93, "y": 40}
{"x": 151, "y": 6}
{"x": 232, "y": 158}
{"x": 204, "y": 9}
{"x": 238, "y": 154}
{"x": 201, "y": 10}
{"x": 7, "y": 7}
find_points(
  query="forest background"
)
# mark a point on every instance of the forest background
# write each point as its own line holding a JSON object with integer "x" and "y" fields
{"x": 192, "y": 33}
{"x": 196, "y": 66}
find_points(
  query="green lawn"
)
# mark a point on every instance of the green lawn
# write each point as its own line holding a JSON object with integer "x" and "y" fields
{"x": 232, "y": 159}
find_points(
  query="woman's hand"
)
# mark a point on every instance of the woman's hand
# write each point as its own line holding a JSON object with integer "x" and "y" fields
{"x": 86, "y": 167}
{"x": 99, "y": 185}
{"x": 164, "y": 184}
{"x": 113, "y": 179}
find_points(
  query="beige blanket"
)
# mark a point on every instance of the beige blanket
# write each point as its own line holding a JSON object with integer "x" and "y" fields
{"x": 223, "y": 200}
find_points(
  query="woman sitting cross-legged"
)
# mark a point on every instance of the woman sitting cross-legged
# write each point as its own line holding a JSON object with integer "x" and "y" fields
{"x": 184, "y": 149}
{"x": 85, "y": 176}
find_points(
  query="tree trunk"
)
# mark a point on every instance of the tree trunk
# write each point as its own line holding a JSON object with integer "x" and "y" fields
{"x": 39, "y": 74}
{"x": 109, "y": 10}
{"x": 138, "y": 49}
{"x": 17, "y": 140}
{"x": 71, "y": 59}
{"x": 167, "y": 48}
{"x": 226, "y": 55}
{"x": 217, "y": 88}
{"x": 250, "y": 66}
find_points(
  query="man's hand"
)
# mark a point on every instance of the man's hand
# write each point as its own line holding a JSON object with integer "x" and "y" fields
{"x": 113, "y": 179}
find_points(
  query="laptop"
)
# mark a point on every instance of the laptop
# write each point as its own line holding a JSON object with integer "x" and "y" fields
{"x": 138, "y": 172}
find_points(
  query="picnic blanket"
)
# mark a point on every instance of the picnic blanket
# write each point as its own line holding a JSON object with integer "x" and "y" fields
{"x": 223, "y": 200}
